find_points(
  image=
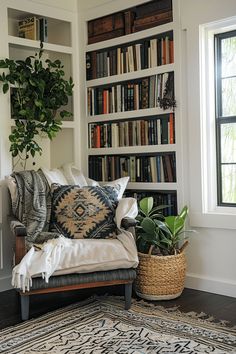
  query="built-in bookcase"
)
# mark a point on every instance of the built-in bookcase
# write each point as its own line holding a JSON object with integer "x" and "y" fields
{"x": 131, "y": 105}
{"x": 59, "y": 44}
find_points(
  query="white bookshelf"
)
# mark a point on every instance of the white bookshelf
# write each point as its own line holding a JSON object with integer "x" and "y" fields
{"x": 61, "y": 44}
{"x": 135, "y": 114}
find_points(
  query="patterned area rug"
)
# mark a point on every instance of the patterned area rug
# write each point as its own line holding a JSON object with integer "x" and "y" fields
{"x": 101, "y": 325}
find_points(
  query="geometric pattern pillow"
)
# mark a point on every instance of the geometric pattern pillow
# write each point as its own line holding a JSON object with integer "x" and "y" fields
{"x": 86, "y": 212}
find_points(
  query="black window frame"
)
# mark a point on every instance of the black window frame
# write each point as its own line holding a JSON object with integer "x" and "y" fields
{"x": 219, "y": 118}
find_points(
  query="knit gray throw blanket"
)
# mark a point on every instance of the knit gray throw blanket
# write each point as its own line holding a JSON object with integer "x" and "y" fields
{"x": 32, "y": 206}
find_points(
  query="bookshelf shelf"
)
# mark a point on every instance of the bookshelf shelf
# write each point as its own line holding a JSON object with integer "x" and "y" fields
{"x": 128, "y": 114}
{"x": 130, "y": 76}
{"x": 152, "y": 186}
{"x": 133, "y": 149}
{"x": 32, "y": 44}
{"x": 130, "y": 37}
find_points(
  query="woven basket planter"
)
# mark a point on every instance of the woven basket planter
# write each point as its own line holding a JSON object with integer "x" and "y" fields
{"x": 160, "y": 277}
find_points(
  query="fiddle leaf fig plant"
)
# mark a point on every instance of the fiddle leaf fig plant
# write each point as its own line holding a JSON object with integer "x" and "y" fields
{"x": 38, "y": 90}
{"x": 157, "y": 234}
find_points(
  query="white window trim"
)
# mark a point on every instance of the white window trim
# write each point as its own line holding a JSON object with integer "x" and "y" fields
{"x": 210, "y": 215}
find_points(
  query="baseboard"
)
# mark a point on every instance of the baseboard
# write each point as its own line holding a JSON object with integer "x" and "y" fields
{"x": 5, "y": 283}
{"x": 216, "y": 286}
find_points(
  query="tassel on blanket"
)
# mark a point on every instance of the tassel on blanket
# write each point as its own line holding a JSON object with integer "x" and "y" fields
{"x": 44, "y": 262}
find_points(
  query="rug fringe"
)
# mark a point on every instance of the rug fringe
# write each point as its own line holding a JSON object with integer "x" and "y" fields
{"x": 175, "y": 310}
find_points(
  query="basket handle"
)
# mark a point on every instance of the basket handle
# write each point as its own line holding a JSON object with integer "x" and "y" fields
{"x": 183, "y": 246}
{"x": 150, "y": 250}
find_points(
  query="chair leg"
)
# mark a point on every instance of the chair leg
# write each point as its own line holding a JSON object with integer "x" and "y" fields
{"x": 128, "y": 294}
{"x": 24, "y": 303}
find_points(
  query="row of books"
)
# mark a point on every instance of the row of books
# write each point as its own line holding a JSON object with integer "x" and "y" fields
{"x": 159, "y": 198}
{"x": 148, "y": 54}
{"x": 159, "y": 168}
{"x": 143, "y": 93}
{"x": 33, "y": 28}
{"x": 153, "y": 13}
{"x": 133, "y": 133}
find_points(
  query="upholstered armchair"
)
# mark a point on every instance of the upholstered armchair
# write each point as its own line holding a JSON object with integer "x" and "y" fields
{"x": 70, "y": 237}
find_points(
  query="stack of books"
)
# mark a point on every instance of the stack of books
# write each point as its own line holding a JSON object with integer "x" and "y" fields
{"x": 33, "y": 28}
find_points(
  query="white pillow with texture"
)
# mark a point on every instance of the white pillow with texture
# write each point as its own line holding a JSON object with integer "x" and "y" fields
{"x": 91, "y": 182}
{"x": 73, "y": 175}
{"x": 54, "y": 176}
{"x": 120, "y": 182}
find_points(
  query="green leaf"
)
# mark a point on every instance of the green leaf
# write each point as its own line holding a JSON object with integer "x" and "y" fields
{"x": 175, "y": 224}
{"x": 22, "y": 112}
{"x": 5, "y": 87}
{"x": 38, "y": 103}
{"x": 3, "y": 64}
{"x": 148, "y": 225}
{"x": 14, "y": 153}
{"x": 146, "y": 205}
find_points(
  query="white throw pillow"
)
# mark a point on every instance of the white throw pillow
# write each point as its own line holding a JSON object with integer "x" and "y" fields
{"x": 120, "y": 182}
{"x": 54, "y": 176}
{"x": 73, "y": 175}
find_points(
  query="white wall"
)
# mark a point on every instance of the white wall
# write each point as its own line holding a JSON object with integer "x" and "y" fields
{"x": 70, "y": 5}
{"x": 211, "y": 254}
{"x": 84, "y": 5}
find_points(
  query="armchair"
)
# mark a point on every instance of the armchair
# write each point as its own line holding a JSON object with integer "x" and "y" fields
{"x": 116, "y": 264}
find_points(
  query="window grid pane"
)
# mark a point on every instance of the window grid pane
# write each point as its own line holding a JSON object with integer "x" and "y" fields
{"x": 225, "y": 71}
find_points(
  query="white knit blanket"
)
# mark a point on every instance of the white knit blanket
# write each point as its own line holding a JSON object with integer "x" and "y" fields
{"x": 64, "y": 256}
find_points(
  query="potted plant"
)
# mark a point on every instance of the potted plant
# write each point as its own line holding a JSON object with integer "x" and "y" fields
{"x": 161, "y": 242}
{"x": 38, "y": 91}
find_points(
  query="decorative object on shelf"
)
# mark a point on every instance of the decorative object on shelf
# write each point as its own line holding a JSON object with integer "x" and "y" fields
{"x": 161, "y": 242}
{"x": 38, "y": 91}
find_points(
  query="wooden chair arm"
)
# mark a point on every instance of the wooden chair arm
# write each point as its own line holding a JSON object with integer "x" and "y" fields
{"x": 19, "y": 232}
{"x": 126, "y": 223}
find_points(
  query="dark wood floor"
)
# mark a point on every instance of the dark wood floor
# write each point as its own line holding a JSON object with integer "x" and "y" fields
{"x": 221, "y": 307}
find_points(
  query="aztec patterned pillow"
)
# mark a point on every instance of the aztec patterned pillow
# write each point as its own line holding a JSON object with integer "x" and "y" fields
{"x": 86, "y": 212}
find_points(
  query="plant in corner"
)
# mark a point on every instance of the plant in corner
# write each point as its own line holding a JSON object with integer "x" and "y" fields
{"x": 160, "y": 241}
{"x": 38, "y": 91}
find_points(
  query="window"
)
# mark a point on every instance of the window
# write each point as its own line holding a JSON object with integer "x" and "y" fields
{"x": 225, "y": 112}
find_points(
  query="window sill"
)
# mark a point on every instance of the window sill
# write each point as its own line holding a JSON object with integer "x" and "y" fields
{"x": 217, "y": 219}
